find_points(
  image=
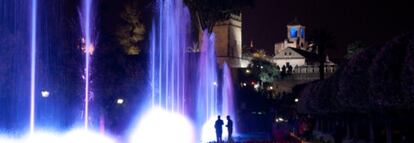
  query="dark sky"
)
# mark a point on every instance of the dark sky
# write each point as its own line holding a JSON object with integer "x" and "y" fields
{"x": 265, "y": 23}
{"x": 347, "y": 20}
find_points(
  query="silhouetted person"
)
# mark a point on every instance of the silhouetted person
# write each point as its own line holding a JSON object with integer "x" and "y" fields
{"x": 290, "y": 69}
{"x": 229, "y": 128}
{"x": 219, "y": 128}
{"x": 283, "y": 73}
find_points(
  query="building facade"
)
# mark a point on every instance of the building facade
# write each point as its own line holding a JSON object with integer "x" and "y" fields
{"x": 229, "y": 42}
{"x": 295, "y": 51}
{"x": 297, "y": 59}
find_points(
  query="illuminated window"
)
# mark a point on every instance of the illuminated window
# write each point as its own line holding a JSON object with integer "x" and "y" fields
{"x": 293, "y": 32}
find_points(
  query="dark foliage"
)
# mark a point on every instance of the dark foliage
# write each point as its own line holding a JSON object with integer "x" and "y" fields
{"x": 323, "y": 40}
{"x": 263, "y": 70}
{"x": 378, "y": 80}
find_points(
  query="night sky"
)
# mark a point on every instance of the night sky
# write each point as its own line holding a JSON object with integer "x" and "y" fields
{"x": 348, "y": 20}
{"x": 265, "y": 23}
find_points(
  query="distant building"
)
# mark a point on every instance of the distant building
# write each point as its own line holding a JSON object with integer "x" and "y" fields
{"x": 295, "y": 51}
{"x": 297, "y": 59}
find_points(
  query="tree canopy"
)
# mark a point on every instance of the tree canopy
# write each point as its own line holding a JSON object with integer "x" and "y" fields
{"x": 265, "y": 71}
{"x": 132, "y": 32}
{"x": 379, "y": 79}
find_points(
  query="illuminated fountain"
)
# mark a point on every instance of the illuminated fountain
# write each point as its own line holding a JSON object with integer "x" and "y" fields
{"x": 227, "y": 97}
{"x": 24, "y": 94}
{"x": 168, "y": 56}
{"x": 172, "y": 82}
{"x": 222, "y": 105}
{"x": 227, "y": 93}
{"x": 33, "y": 66}
{"x": 207, "y": 89}
{"x": 165, "y": 120}
{"x": 172, "y": 85}
{"x": 87, "y": 33}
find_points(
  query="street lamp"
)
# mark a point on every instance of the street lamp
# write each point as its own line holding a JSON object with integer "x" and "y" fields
{"x": 248, "y": 71}
{"x": 120, "y": 101}
{"x": 270, "y": 88}
{"x": 296, "y": 100}
{"x": 45, "y": 93}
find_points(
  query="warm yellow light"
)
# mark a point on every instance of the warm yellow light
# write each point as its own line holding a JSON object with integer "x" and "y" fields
{"x": 89, "y": 50}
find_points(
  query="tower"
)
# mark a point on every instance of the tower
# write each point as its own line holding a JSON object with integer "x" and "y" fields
{"x": 229, "y": 41}
{"x": 296, "y": 35}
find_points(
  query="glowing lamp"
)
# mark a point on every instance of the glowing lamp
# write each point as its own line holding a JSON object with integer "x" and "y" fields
{"x": 120, "y": 101}
{"x": 45, "y": 93}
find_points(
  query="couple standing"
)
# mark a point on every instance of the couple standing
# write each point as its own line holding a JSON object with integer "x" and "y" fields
{"x": 219, "y": 130}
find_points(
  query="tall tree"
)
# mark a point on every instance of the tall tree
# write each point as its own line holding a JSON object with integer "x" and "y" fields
{"x": 264, "y": 70}
{"x": 132, "y": 32}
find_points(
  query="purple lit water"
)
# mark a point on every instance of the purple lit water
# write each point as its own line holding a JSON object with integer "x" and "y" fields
{"x": 172, "y": 84}
{"x": 33, "y": 65}
{"x": 175, "y": 88}
{"x": 87, "y": 33}
{"x": 207, "y": 85}
{"x": 228, "y": 105}
{"x": 169, "y": 55}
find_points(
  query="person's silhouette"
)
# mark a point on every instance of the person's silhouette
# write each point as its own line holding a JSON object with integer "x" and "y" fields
{"x": 219, "y": 130}
{"x": 229, "y": 127}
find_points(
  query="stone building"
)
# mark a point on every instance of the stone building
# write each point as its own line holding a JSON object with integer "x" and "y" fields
{"x": 229, "y": 42}
{"x": 295, "y": 51}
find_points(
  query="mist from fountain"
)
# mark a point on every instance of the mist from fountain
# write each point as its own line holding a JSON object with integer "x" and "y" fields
{"x": 169, "y": 55}
{"x": 228, "y": 99}
{"x": 168, "y": 78}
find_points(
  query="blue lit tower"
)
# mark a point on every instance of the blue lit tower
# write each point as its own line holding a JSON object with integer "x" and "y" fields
{"x": 296, "y": 35}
